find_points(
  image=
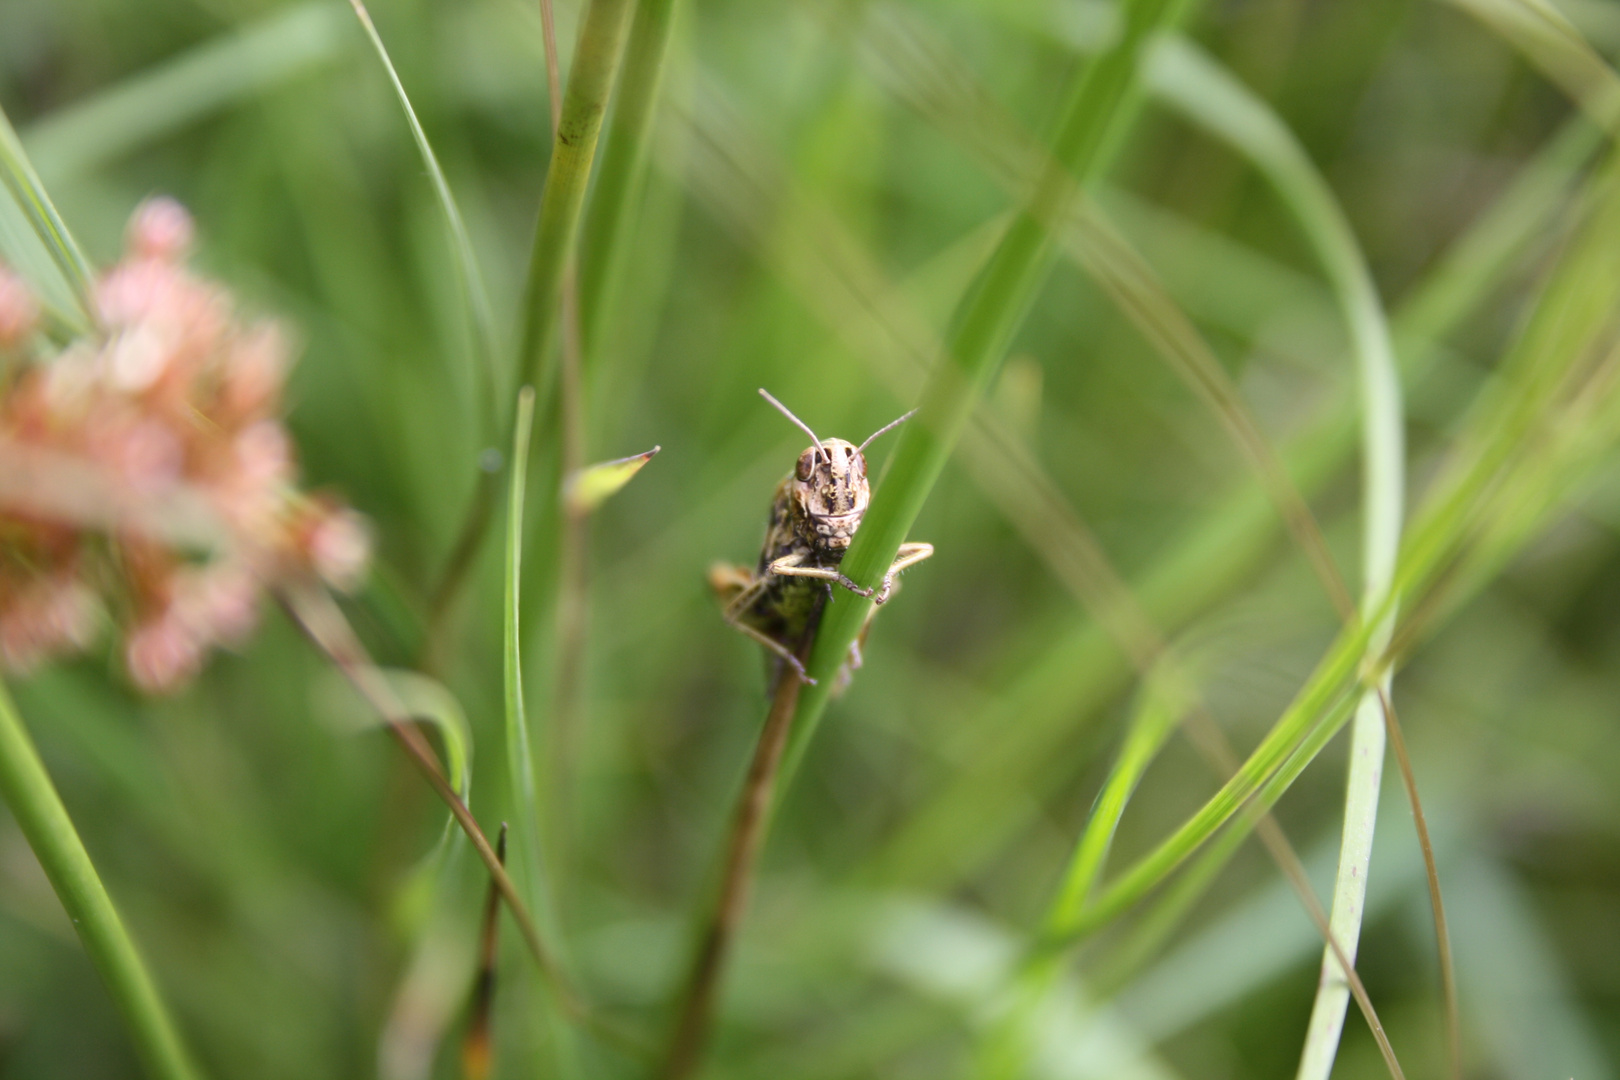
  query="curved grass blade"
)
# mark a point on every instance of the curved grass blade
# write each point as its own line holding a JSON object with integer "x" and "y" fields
{"x": 471, "y": 277}
{"x": 1193, "y": 84}
{"x": 1164, "y": 700}
{"x": 322, "y": 622}
{"x": 426, "y": 700}
{"x": 32, "y": 798}
{"x": 1081, "y": 669}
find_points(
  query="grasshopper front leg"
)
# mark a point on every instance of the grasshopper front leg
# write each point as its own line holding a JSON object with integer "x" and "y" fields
{"x": 791, "y": 566}
{"x": 910, "y": 554}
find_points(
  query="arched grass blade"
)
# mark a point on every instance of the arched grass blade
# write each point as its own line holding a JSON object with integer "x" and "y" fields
{"x": 466, "y": 260}
{"x": 1217, "y": 103}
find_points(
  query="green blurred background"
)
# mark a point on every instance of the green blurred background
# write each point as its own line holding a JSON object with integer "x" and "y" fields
{"x": 812, "y": 164}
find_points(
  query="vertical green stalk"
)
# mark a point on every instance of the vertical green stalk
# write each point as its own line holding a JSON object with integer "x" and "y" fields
{"x": 28, "y": 791}
{"x": 1104, "y": 101}
{"x": 620, "y": 180}
{"x": 590, "y": 81}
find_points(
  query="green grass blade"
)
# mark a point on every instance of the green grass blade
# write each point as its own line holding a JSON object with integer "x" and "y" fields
{"x": 1163, "y": 702}
{"x": 1554, "y": 45}
{"x": 519, "y": 752}
{"x": 1196, "y": 86}
{"x": 20, "y": 179}
{"x": 1574, "y": 313}
{"x": 44, "y": 821}
{"x": 1101, "y": 106}
{"x": 466, "y": 260}
{"x": 1165, "y": 699}
{"x": 1307, "y": 722}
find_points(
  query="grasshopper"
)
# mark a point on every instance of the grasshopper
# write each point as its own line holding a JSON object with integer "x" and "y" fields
{"x": 813, "y": 518}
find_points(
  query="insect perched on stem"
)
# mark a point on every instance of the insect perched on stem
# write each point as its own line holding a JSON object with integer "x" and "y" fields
{"x": 815, "y": 515}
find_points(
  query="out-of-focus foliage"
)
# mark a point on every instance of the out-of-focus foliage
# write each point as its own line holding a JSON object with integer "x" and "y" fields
{"x": 825, "y": 179}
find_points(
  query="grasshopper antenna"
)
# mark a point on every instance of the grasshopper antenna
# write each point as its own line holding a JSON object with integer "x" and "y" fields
{"x": 806, "y": 427}
{"x": 890, "y": 426}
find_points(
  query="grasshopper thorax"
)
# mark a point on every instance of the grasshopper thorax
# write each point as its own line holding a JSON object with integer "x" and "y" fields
{"x": 828, "y": 494}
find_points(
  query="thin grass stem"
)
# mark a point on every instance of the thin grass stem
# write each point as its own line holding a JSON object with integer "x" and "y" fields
{"x": 519, "y": 752}
{"x": 621, "y": 176}
{"x": 477, "y": 1048}
{"x": 572, "y": 523}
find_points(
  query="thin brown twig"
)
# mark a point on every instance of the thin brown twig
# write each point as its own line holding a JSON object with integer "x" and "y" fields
{"x": 476, "y": 1048}
{"x": 742, "y": 855}
{"x": 1448, "y": 971}
{"x": 1207, "y": 736}
{"x": 318, "y": 616}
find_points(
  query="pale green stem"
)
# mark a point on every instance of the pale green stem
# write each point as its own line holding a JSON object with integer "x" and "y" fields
{"x": 620, "y": 180}
{"x": 44, "y": 821}
{"x": 1163, "y": 703}
{"x": 590, "y": 81}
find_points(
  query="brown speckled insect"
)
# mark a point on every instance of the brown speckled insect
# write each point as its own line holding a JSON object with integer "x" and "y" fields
{"x": 815, "y": 515}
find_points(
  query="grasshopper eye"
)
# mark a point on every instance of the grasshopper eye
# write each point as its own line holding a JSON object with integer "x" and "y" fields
{"x": 807, "y": 465}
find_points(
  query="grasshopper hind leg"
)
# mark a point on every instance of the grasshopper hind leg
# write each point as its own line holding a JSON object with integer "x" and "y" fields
{"x": 737, "y": 588}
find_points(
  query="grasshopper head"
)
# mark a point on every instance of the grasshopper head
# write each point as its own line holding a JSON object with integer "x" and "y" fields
{"x": 830, "y": 492}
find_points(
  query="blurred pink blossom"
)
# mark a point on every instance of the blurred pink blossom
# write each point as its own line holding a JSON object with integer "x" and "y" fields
{"x": 173, "y": 402}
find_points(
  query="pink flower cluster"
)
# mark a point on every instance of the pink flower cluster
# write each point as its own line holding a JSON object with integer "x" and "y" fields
{"x": 145, "y": 474}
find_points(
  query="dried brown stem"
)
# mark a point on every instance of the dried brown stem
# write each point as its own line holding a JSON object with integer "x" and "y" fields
{"x": 476, "y": 1048}
{"x": 323, "y": 623}
{"x": 1207, "y": 736}
{"x": 1442, "y": 934}
{"x": 692, "y": 1024}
